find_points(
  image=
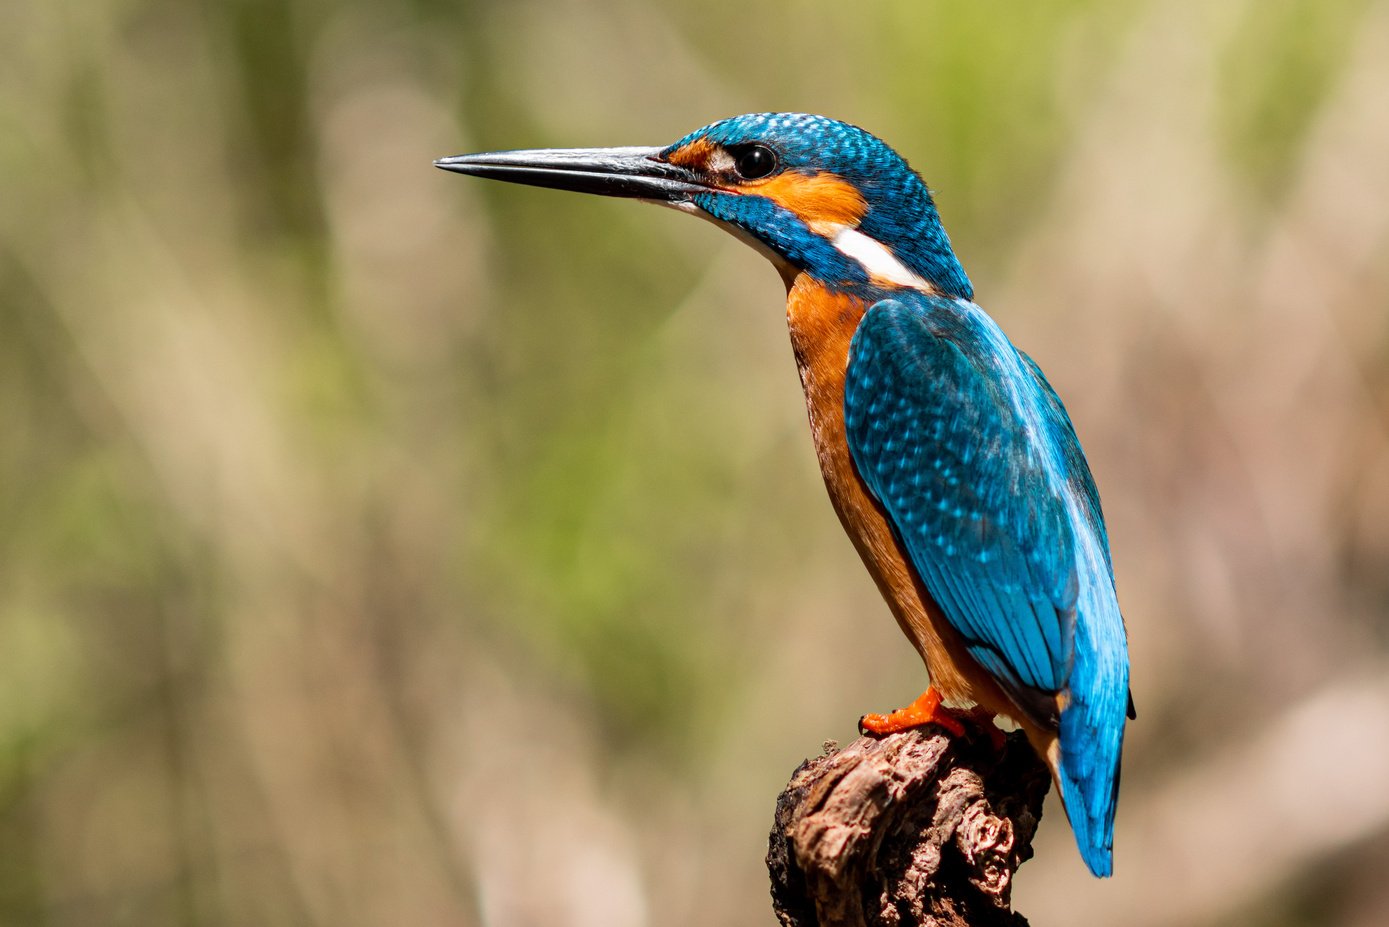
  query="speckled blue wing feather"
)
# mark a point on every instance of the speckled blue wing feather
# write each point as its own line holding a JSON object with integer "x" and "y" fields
{"x": 948, "y": 455}
{"x": 975, "y": 462}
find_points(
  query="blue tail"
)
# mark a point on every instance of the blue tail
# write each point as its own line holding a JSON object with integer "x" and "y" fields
{"x": 1092, "y": 739}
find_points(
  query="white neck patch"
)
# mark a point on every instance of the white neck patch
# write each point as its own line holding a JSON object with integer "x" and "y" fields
{"x": 875, "y": 258}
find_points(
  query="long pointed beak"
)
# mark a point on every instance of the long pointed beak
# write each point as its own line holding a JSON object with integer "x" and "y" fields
{"x": 629, "y": 172}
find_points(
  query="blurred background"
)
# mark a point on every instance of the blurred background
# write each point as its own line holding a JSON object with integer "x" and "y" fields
{"x": 383, "y": 547}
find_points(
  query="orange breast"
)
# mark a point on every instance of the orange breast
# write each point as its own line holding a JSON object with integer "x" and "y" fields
{"x": 822, "y": 323}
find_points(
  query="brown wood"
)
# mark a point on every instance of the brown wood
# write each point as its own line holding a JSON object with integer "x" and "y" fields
{"x": 916, "y": 829}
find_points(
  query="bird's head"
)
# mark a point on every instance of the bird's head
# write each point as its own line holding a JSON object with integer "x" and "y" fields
{"x": 815, "y": 195}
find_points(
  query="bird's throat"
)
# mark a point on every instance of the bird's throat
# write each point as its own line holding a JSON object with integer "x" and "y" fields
{"x": 821, "y": 322}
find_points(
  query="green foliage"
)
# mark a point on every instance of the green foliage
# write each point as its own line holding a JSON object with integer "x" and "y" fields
{"x": 1280, "y": 67}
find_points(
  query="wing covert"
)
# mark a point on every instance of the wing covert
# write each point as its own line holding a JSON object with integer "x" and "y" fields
{"x": 936, "y": 434}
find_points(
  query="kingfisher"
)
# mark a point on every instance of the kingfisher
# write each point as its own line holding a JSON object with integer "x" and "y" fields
{"x": 949, "y": 459}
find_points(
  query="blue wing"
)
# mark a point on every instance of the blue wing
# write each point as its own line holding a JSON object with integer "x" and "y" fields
{"x": 940, "y": 440}
{"x": 975, "y": 462}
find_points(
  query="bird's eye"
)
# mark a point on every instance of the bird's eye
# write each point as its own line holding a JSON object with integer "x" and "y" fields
{"x": 754, "y": 161}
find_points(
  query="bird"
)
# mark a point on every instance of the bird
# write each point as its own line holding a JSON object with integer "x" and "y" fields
{"x": 951, "y": 462}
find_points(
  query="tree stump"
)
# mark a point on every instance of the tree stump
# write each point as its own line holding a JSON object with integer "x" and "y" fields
{"x": 916, "y": 829}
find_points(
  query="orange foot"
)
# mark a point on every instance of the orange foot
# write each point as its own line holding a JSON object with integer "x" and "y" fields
{"x": 927, "y": 709}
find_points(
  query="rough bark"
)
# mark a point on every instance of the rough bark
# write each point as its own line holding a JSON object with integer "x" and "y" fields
{"x": 916, "y": 829}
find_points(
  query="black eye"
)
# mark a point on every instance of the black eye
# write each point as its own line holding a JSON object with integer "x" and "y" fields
{"x": 754, "y": 161}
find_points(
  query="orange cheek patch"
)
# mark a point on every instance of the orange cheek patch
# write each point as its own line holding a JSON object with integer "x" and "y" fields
{"x": 821, "y": 200}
